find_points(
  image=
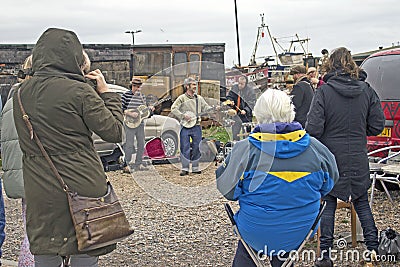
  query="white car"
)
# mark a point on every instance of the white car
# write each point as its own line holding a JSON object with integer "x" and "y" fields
{"x": 164, "y": 127}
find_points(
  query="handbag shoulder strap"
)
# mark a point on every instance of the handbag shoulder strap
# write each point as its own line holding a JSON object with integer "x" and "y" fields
{"x": 33, "y": 135}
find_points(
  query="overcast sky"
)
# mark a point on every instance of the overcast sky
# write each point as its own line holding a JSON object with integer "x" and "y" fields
{"x": 359, "y": 25}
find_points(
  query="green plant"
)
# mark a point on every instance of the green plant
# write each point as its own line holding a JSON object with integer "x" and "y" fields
{"x": 217, "y": 132}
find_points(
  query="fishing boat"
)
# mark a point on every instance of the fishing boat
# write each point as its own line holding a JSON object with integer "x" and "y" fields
{"x": 271, "y": 73}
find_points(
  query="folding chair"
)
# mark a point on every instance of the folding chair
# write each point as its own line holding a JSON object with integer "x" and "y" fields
{"x": 379, "y": 171}
{"x": 256, "y": 259}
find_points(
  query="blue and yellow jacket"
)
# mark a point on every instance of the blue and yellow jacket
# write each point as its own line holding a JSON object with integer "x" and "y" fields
{"x": 278, "y": 175}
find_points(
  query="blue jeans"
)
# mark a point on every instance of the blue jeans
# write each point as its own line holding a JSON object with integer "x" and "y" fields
{"x": 361, "y": 205}
{"x": 129, "y": 147}
{"x": 186, "y": 155}
{"x": 2, "y": 219}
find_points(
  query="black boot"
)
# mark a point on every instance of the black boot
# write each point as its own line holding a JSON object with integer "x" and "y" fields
{"x": 183, "y": 173}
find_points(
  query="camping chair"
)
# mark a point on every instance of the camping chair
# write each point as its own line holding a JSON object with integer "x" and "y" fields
{"x": 256, "y": 259}
{"x": 384, "y": 171}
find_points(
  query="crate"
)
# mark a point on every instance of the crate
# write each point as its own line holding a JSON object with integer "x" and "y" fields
{"x": 209, "y": 89}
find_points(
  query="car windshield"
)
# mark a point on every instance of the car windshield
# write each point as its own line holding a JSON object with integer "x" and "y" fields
{"x": 383, "y": 76}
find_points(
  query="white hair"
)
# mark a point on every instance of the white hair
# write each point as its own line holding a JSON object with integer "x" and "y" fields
{"x": 274, "y": 106}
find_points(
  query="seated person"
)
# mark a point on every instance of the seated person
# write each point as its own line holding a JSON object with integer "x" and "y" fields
{"x": 278, "y": 174}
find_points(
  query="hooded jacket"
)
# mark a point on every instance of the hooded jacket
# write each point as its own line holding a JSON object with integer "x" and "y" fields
{"x": 64, "y": 110}
{"x": 343, "y": 113}
{"x": 278, "y": 175}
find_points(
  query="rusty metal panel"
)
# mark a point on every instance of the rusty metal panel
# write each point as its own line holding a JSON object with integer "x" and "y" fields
{"x": 187, "y": 48}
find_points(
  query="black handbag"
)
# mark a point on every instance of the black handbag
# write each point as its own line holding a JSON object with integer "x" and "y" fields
{"x": 98, "y": 221}
{"x": 389, "y": 243}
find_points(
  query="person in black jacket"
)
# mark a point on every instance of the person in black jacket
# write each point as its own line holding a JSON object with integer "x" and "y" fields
{"x": 243, "y": 99}
{"x": 302, "y": 93}
{"x": 343, "y": 113}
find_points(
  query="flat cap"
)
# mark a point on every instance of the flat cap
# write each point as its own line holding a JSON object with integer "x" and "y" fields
{"x": 297, "y": 69}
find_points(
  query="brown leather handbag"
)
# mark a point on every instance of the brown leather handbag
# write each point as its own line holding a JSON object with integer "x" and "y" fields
{"x": 98, "y": 221}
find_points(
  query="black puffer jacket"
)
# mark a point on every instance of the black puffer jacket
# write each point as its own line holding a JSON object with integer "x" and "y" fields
{"x": 343, "y": 112}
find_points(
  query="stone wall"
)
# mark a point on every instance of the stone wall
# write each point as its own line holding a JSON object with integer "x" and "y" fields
{"x": 112, "y": 59}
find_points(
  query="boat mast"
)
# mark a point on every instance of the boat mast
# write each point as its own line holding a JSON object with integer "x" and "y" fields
{"x": 237, "y": 33}
{"x": 260, "y": 33}
{"x": 301, "y": 41}
{"x": 273, "y": 45}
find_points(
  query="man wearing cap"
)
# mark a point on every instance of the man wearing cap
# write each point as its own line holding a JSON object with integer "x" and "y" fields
{"x": 312, "y": 77}
{"x": 187, "y": 108}
{"x": 302, "y": 93}
{"x": 131, "y": 100}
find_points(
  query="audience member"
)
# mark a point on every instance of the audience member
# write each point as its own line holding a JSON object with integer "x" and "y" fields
{"x": 302, "y": 93}
{"x": 64, "y": 111}
{"x": 11, "y": 156}
{"x": 278, "y": 174}
{"x": 344, "y": 111}
{"x": 312, "y": 76}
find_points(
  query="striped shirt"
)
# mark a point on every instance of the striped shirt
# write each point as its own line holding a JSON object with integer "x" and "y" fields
{"x": 132, "y": 101}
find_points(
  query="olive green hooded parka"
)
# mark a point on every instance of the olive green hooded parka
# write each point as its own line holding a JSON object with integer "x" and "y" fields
{"x": 64, "y": 110}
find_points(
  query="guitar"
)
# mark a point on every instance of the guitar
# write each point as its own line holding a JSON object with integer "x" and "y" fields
{"x": 192, "y": 121}
{"x": 143, "y": 112}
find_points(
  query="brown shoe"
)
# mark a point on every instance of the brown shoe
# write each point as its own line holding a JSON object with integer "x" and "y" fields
{"x": 126, "y": 170}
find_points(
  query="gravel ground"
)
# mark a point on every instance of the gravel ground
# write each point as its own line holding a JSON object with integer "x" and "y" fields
{"x": 181, "y": 221}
